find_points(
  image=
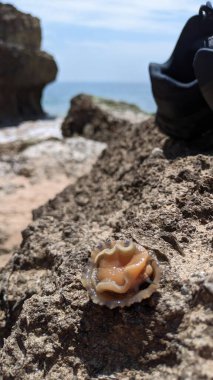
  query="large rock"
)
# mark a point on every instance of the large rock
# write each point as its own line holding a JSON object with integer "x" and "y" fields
{"x": 99, "y": 118}
{"x": 24, "y": 68}
{"x": 157, "y": 193}
{"x": 19, "y": 28}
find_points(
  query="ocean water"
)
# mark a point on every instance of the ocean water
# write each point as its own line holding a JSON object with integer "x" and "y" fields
{"x": 57, "y": 96}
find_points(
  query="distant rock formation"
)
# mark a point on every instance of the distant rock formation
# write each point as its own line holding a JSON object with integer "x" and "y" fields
{"x": 24, "y": 68}
{"x": 99, "y": 118}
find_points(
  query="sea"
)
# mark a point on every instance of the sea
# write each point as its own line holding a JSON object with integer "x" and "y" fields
{"x": 57, "y": 96}
{"x": 56, "y": 103}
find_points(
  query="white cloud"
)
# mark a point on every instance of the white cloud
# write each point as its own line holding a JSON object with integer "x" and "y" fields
{"x": 135, "y": 15}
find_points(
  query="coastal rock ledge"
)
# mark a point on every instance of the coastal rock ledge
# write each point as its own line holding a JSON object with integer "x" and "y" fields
{"x": 143, "y": 187}
{"x": 24, "y": 68}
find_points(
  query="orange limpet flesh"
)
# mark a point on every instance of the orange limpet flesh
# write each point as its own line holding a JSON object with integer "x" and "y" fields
{"x": 118, "y": 272}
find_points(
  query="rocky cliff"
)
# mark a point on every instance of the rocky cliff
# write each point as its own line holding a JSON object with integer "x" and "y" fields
{"x": 144, "y": 187}
{"x": 24, "y": 68}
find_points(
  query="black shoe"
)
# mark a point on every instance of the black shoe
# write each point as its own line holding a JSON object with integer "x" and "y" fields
{"x": 203, "y": 67}
{"x": 182, "y": 110}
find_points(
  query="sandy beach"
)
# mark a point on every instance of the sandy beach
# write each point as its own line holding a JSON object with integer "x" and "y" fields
{"x": 36, "y": 163}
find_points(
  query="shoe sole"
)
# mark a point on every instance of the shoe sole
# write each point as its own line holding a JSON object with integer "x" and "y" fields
{"x": 186, "y": 128}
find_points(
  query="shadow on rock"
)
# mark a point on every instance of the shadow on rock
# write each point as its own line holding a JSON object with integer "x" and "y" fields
{"x": 179, "y": 148}
{"x": 132, "y": 338}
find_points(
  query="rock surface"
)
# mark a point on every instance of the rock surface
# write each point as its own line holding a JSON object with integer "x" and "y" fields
{"x": 143, "y": 187}
{"x": 24, "y": 68}
{"x": 35, "y": 164}
{"x": 99, "y": 118}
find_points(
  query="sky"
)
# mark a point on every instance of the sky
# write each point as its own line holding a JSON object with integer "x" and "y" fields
{"x": 109, "y": 40}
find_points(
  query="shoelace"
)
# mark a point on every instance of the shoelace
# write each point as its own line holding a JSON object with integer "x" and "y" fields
{"x": 206, "y": 10}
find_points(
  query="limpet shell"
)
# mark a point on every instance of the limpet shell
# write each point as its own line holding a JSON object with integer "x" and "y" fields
{"x": 120, "y": 273}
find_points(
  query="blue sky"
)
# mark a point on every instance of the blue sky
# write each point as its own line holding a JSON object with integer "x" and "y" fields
{"x": 109, "y": 40}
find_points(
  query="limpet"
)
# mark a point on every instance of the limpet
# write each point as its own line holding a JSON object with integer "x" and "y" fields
{"x": 120, "y": 273}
